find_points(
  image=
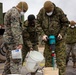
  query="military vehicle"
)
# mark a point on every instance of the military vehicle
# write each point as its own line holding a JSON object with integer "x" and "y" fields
{"x": 1, "y": 19}
{"x": 2, "y": 48}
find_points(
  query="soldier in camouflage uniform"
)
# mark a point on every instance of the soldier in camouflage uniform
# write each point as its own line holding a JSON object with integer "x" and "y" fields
{"x": 13, "y": 36}
{"x": 71, "y": 42}
{"x": 30, "y": 36}
{"x": 52, "y": 21}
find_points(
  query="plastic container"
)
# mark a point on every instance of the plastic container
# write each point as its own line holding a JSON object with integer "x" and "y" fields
{"x": 16, "y": 54}
{"x": 33, "y": 60}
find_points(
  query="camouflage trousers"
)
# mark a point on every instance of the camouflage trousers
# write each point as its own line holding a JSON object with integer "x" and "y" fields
{"x": 60, "y": 51}
{"x": 1, "y": 39}
{"x": 71, "y": 48}
{"x": 11, "y": 66}
{"x": 25, "y": 50}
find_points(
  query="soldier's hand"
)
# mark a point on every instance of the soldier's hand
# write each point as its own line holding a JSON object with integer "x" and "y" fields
{"x": 31, "y": 49}
{"x": 44, "y": 38}
{"x": 19, "y": 46}
{"x": 59, "y": 37}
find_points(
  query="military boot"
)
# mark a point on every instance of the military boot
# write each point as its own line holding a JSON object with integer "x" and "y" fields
{"x": 74, "y": 64}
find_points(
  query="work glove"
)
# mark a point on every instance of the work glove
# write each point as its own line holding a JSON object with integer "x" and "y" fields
{"x": 59, "y": 37}
{"x": 45, "y": 37}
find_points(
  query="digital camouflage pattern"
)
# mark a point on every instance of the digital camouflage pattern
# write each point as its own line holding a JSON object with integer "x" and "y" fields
{"x": 53, "y": 25}
{"x": 13, "y": 31}
{"x": 12, "y": 38}
{"x": 30, "y": 38}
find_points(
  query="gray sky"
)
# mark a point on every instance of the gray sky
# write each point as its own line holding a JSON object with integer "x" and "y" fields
{"x": 68, "y": 6}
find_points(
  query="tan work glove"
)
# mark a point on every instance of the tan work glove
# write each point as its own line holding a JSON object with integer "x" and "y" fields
{"x": 44, "y": 38}
{"x": 59, "y": 37}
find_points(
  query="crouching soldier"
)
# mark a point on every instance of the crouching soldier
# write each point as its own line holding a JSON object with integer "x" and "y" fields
{"x": 30, "y": 37}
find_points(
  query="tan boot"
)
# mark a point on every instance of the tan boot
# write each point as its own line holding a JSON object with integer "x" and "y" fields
{"x": 74, "y": 64}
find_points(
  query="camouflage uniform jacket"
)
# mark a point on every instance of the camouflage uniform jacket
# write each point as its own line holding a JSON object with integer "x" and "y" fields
{"x": 13, "y": 31}
{"x": 71, "y": 35}
{"x": 54, "y": 24}
{"x": 30, "y": 35}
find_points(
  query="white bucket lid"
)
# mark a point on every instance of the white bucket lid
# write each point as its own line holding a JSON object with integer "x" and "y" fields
{"x": 35, "y": 55}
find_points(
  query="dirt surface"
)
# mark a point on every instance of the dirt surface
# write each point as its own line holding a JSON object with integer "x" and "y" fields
{"x": 69, "y": 69}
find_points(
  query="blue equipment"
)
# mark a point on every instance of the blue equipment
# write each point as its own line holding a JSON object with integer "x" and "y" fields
{"x": 52, "y": 42}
